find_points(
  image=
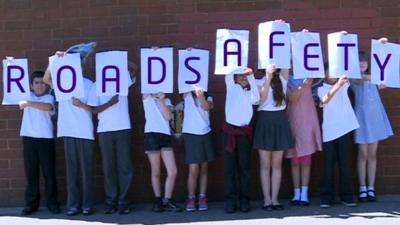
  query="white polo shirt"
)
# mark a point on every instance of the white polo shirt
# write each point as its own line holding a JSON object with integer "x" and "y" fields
{"x": 338, "y": 114}
{"x": 155, "y": 121}
{"x": 37, "y": 123}
{"x": 196, "y": 120}
{"x": 239, "y": 102}
{"x": 270, "y": 103}
{"x": 74, "y": 121}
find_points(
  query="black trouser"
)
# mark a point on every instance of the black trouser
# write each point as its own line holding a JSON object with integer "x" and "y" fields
{"x": 39, "y": 153}
{"x": 116, "y": 150}
{"x": 337, "y": 150}
{"x": 237, "y": 170}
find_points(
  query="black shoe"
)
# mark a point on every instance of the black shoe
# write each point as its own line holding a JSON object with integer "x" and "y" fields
{"x": 55, "y": 209}
{"x": 362, "y": 196}
{"x": 295, "y": 202}
{"x": 268, "y": 207}
{"x": 73, "y": 212}
{"x": 170, "y": 205}
{"x": 88, "y": 211}
{"x": 230, "y": 209}
{"x": 277, "y": 207}
{"x": 371, "y": 196}
{"x": 245, "y": 207}
{"x": 350, "y": 203}
{"x": 304, "y": 203}
{"x": 157, "y": 205}
{"x": 109, "y": 209}
{"x": 28, "y": 210}
{"x": 123, "y": 210}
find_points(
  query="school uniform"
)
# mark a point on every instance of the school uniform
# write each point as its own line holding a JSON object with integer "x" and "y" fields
{"x": 75, "y": 126}
{"x": 196, "y": 131}
{"x": 114, "y": 132}
{"x": 339, "y": 120}
{"x": 38, "y": 149}
{"x": 273, "y": 131}
{"x": 237, "y": 134}
{"x": 157, "y": 131}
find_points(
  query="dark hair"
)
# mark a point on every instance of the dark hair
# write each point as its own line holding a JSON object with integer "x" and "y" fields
{"x": 36, "y": 74}
{"x": 277, "y": 88}
{"x": 364, "y": 56}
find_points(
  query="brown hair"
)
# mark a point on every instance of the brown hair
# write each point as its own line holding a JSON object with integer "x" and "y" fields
{"x": 277, "y": 88}
{"x": 364, "y": 56}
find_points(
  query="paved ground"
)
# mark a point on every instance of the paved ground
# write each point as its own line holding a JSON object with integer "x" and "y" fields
{"x": 384, "y": 212}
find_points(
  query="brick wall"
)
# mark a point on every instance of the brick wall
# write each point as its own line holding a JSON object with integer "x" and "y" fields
{"x": 37, "y": 28}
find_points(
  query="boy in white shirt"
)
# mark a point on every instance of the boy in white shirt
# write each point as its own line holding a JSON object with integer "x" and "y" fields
{"x": 339, "y": 120}
{"x": 242, "y": 94}
{"x": 75, "y": 126}
{"x": 38, "y": 146}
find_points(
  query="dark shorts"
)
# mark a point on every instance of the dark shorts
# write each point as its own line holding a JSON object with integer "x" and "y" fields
{"x": 155, "y": 142}
{"x": 273, "y": 131}
{"x": 199, "y": 148}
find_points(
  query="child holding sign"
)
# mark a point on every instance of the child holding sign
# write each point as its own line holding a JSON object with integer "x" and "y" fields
{"x": 339, "y": 120}
{"x": 304, "y": 123}
{"x": 374, "y": 127}
{"x": 158, "y": 146}
{"x": 38, "y": 145}
{"x": 272, "y": 134}
{"x": 241, "y": 95}
{"x": 199, "y": 147}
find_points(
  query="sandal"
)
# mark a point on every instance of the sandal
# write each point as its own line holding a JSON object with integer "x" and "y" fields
{"x": 371, "y": 198}
{"x": 363, "y": 196}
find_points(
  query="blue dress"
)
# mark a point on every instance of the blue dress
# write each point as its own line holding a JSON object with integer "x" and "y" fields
{"x": 371, "y": 115}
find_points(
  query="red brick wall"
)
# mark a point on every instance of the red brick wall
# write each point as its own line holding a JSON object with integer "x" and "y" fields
{"x": 37, "y": 28}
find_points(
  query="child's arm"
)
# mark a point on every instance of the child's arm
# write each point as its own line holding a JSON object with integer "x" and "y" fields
{"x": 76, "y": 102}
{"x": 206, "y": 105}
{"x": 285, "y": 73}
{"x": 47, "y": 74}
{"x": 266, "y": 85}
{"x": 98, "y": 109}
{"x": 166, "y": 110}
{"x": 37, "y": 105}
{"x": 327, "y": 98}
{"x": 295, "y": 94}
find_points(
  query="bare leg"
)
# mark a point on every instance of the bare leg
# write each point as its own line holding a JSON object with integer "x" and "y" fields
{"x": 192, "y": 179}
{"x": 372, "y": 149}
{"x": 265, "y": 177}
{"x": 169, "y": 161}
{"x": 362, "y": 163}
{"x": 203, "y": 178}
{"x": 276, "y": 175}
{"x": 154, "y": 159}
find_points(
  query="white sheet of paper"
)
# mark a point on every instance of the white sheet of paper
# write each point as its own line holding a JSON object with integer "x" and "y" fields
{"x": 64, "y": 86}
{"x": 16, "y": 86}
{"x": 336, "y": 55}
{"x": 112, "y": 61}
{"x": 234, "y": 42}
{"x": 197, "y": 60}
{"x": 278, "y": 55}
{"x": 311, "y": 67}
{"x": 391, "y": 73}
{"x": 155, "y": 61}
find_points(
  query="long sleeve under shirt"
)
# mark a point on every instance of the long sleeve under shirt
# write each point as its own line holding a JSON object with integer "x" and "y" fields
{"x": 239, "y": 101}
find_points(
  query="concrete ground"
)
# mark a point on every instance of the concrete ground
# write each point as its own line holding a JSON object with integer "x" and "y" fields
{"x": 384, "y": 212}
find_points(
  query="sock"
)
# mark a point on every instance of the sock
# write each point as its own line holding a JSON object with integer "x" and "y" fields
{"x": 202, "y": 195}
{"x": 191, "y": 196}
{"x": 296, "y": 194}
{"x": 371, "y": 193}
{"x": 165, "y": 200}
{"x": 363, "y": 189}
{"x": 304, "y": 193}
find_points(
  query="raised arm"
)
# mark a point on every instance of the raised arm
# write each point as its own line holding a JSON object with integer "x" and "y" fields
{"x": 37, "y": 105}
{"x": 166, "y": 110}
{"x": 98, "y": 109}
{"x": 327, "y": 98}
{"x": 264, "y": 89}
{"x": 206, "y": 105}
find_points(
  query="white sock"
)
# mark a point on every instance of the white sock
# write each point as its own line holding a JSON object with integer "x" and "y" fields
{"x": 304, "y": 193}
{"x": 363, "y": 189}
{"x": 371, "y": 188}
{"x": 297, "y": 194}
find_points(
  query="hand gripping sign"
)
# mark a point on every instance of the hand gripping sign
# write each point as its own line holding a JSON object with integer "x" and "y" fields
{"x": 112, "y": 76}
{"x": 156, "y": 70}
{"x": 193, "y": 70}
{"x": 232, "y": 50}
{"x": 343, "y": 55}
{"x": 385, "y": 64}
{"x": 307, "y": 55}
{"x": 15, "y": 81}
{"x": 67, "y": 77}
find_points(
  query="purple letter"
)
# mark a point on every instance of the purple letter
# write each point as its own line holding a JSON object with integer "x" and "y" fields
{"x": 59, "y": 79}
{"x": 105, "y": 79}
{"x": 382, "y": 67}
{"x": 193, "y": 70}
{"x": 307, "y": 56}
{"x": 164, "y": 69}
{"x": 346, "y": 53}
{"x": 238, "y": 52}
{"x": 17, "y": 80}
{"x": 272, "y": 43}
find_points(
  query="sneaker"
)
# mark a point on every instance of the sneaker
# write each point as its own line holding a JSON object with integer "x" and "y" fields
{"x": 203, "y": 204}
{"x": 88, "y": 211}
{"x": 124, "y": 209}
{"x": 28, "y": 210}
{"x": 191, "y": 204}
{"x": 170, "y": 205}
{"x": 349, "y": 203}
{"x": 158, "y": 205}
{"x": 55, "y": 209}
{"x": 325, "y": 204}
{"x": 109, "y": 209}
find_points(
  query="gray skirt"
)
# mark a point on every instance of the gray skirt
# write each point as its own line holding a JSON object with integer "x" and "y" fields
{"x": 272, "y": 131}
{"x": 199, "y": 148}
